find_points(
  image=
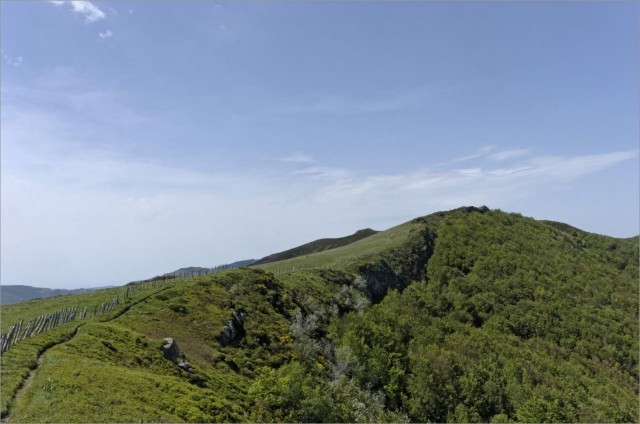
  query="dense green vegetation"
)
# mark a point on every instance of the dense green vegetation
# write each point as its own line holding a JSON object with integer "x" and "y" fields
{"x": 517, "y": 321}
{"x": 467, "y": 316}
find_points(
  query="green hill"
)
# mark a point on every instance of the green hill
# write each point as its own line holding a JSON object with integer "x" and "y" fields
{"x": 316, "y": 246}
{"x": 464, "y": 316}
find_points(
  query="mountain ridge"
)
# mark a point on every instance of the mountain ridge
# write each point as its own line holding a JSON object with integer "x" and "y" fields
{"x": 316, "y": 246}
{"x": 457, "y": 316}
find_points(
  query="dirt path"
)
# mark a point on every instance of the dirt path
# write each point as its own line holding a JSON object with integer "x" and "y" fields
{"x": 28, "y": 381}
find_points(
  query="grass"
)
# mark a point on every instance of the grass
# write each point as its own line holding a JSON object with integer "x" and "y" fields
{"x": 117, "y": 366}
{"x": 349, "y": 256}
{"x": 23, "y": 356}
{"x": 317, "y": 246}
{"x": 113, "y": 370}
{"x": 11, "y": 314}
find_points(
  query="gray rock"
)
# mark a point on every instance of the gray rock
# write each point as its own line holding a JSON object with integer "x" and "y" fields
{"x": 184, "y": 365}
{"x": 233, "y": 329}
{"x": 170, "y": 349}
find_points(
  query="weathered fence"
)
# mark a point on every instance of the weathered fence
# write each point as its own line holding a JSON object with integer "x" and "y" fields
{"x": 51, "y": 320}
{"x": 45, "y": 322}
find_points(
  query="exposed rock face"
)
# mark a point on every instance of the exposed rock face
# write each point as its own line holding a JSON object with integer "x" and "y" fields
{"x": 396, "y": 272}
{"x": 380, "y": 278}
{"x": 234, "y": 328}
{"x": 170, "y": 349}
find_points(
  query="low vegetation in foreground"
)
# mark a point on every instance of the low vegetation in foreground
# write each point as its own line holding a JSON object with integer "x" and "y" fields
{"x": 465, "y": 316}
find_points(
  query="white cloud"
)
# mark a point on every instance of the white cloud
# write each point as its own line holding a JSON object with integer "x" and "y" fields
{"x": 84, "y": 8}
{"x": 105, "y": 34}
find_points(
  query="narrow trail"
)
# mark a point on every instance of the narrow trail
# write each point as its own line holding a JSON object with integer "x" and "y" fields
{"x": 28, "y": 380}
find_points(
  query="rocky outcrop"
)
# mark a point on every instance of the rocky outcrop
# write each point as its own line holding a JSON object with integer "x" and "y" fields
{"x": 170, "y": 350}
{"x": 397, "y": 269}
{"x": 380, "y": 278}
{"x": 234, "y": 328}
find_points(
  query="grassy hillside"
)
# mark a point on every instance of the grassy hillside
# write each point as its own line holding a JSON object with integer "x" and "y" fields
{"x": 317, "y": 246}
{"x": 472, "y": 315}
{"x": 10, "y": 314}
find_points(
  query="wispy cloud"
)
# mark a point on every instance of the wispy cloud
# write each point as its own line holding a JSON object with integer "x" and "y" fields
{"x": 489, "y": 152}
{"x": 101, "y": 207}
{"x": 344, "y": 105}
{"x": 508, "y": 154}
{"x": 482, "y": 151}
{"x": 106, "y": 208}
{"x": 16, "y": 62}
{"x": 88, "y": 10}
{"x": 105, "y": 34}
{"x": 324, "y": 173}
{"x": 297, "y": 157}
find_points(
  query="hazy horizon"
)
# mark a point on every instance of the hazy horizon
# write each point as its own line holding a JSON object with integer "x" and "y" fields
{"x": 143, "y": 137}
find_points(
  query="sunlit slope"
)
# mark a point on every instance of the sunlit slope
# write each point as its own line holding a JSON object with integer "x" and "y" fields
{"x": 496, "y": 318}
{"x": 114, "y": 371}
{"x": 345, "y": 257}
{"x": 10, "y": 314}
{"x": 23, "y": 355}
{"x": 317, "y": 246}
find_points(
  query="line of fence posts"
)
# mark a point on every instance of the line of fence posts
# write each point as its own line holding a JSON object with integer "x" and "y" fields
{"x": 51, "y": 320}
{"x": 183, "y": 275}
{"x": 54, "y": 319}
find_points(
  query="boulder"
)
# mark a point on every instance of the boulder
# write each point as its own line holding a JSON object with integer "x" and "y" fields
{"x": 170, "y": 349}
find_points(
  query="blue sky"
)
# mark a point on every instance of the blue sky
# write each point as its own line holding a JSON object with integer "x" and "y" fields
{"x": 140, "y": 137}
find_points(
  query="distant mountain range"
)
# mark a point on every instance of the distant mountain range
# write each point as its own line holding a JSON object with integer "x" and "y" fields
{"x": 21, "y": 293}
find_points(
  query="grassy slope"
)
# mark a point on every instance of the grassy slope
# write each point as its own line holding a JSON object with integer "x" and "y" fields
{"x": 23, "y": 356}
{"x": 114, "y": 371}
{"x": 11, "y": 314}
{"x": 317, "y": 246}
{"x": 350, "y": 256}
